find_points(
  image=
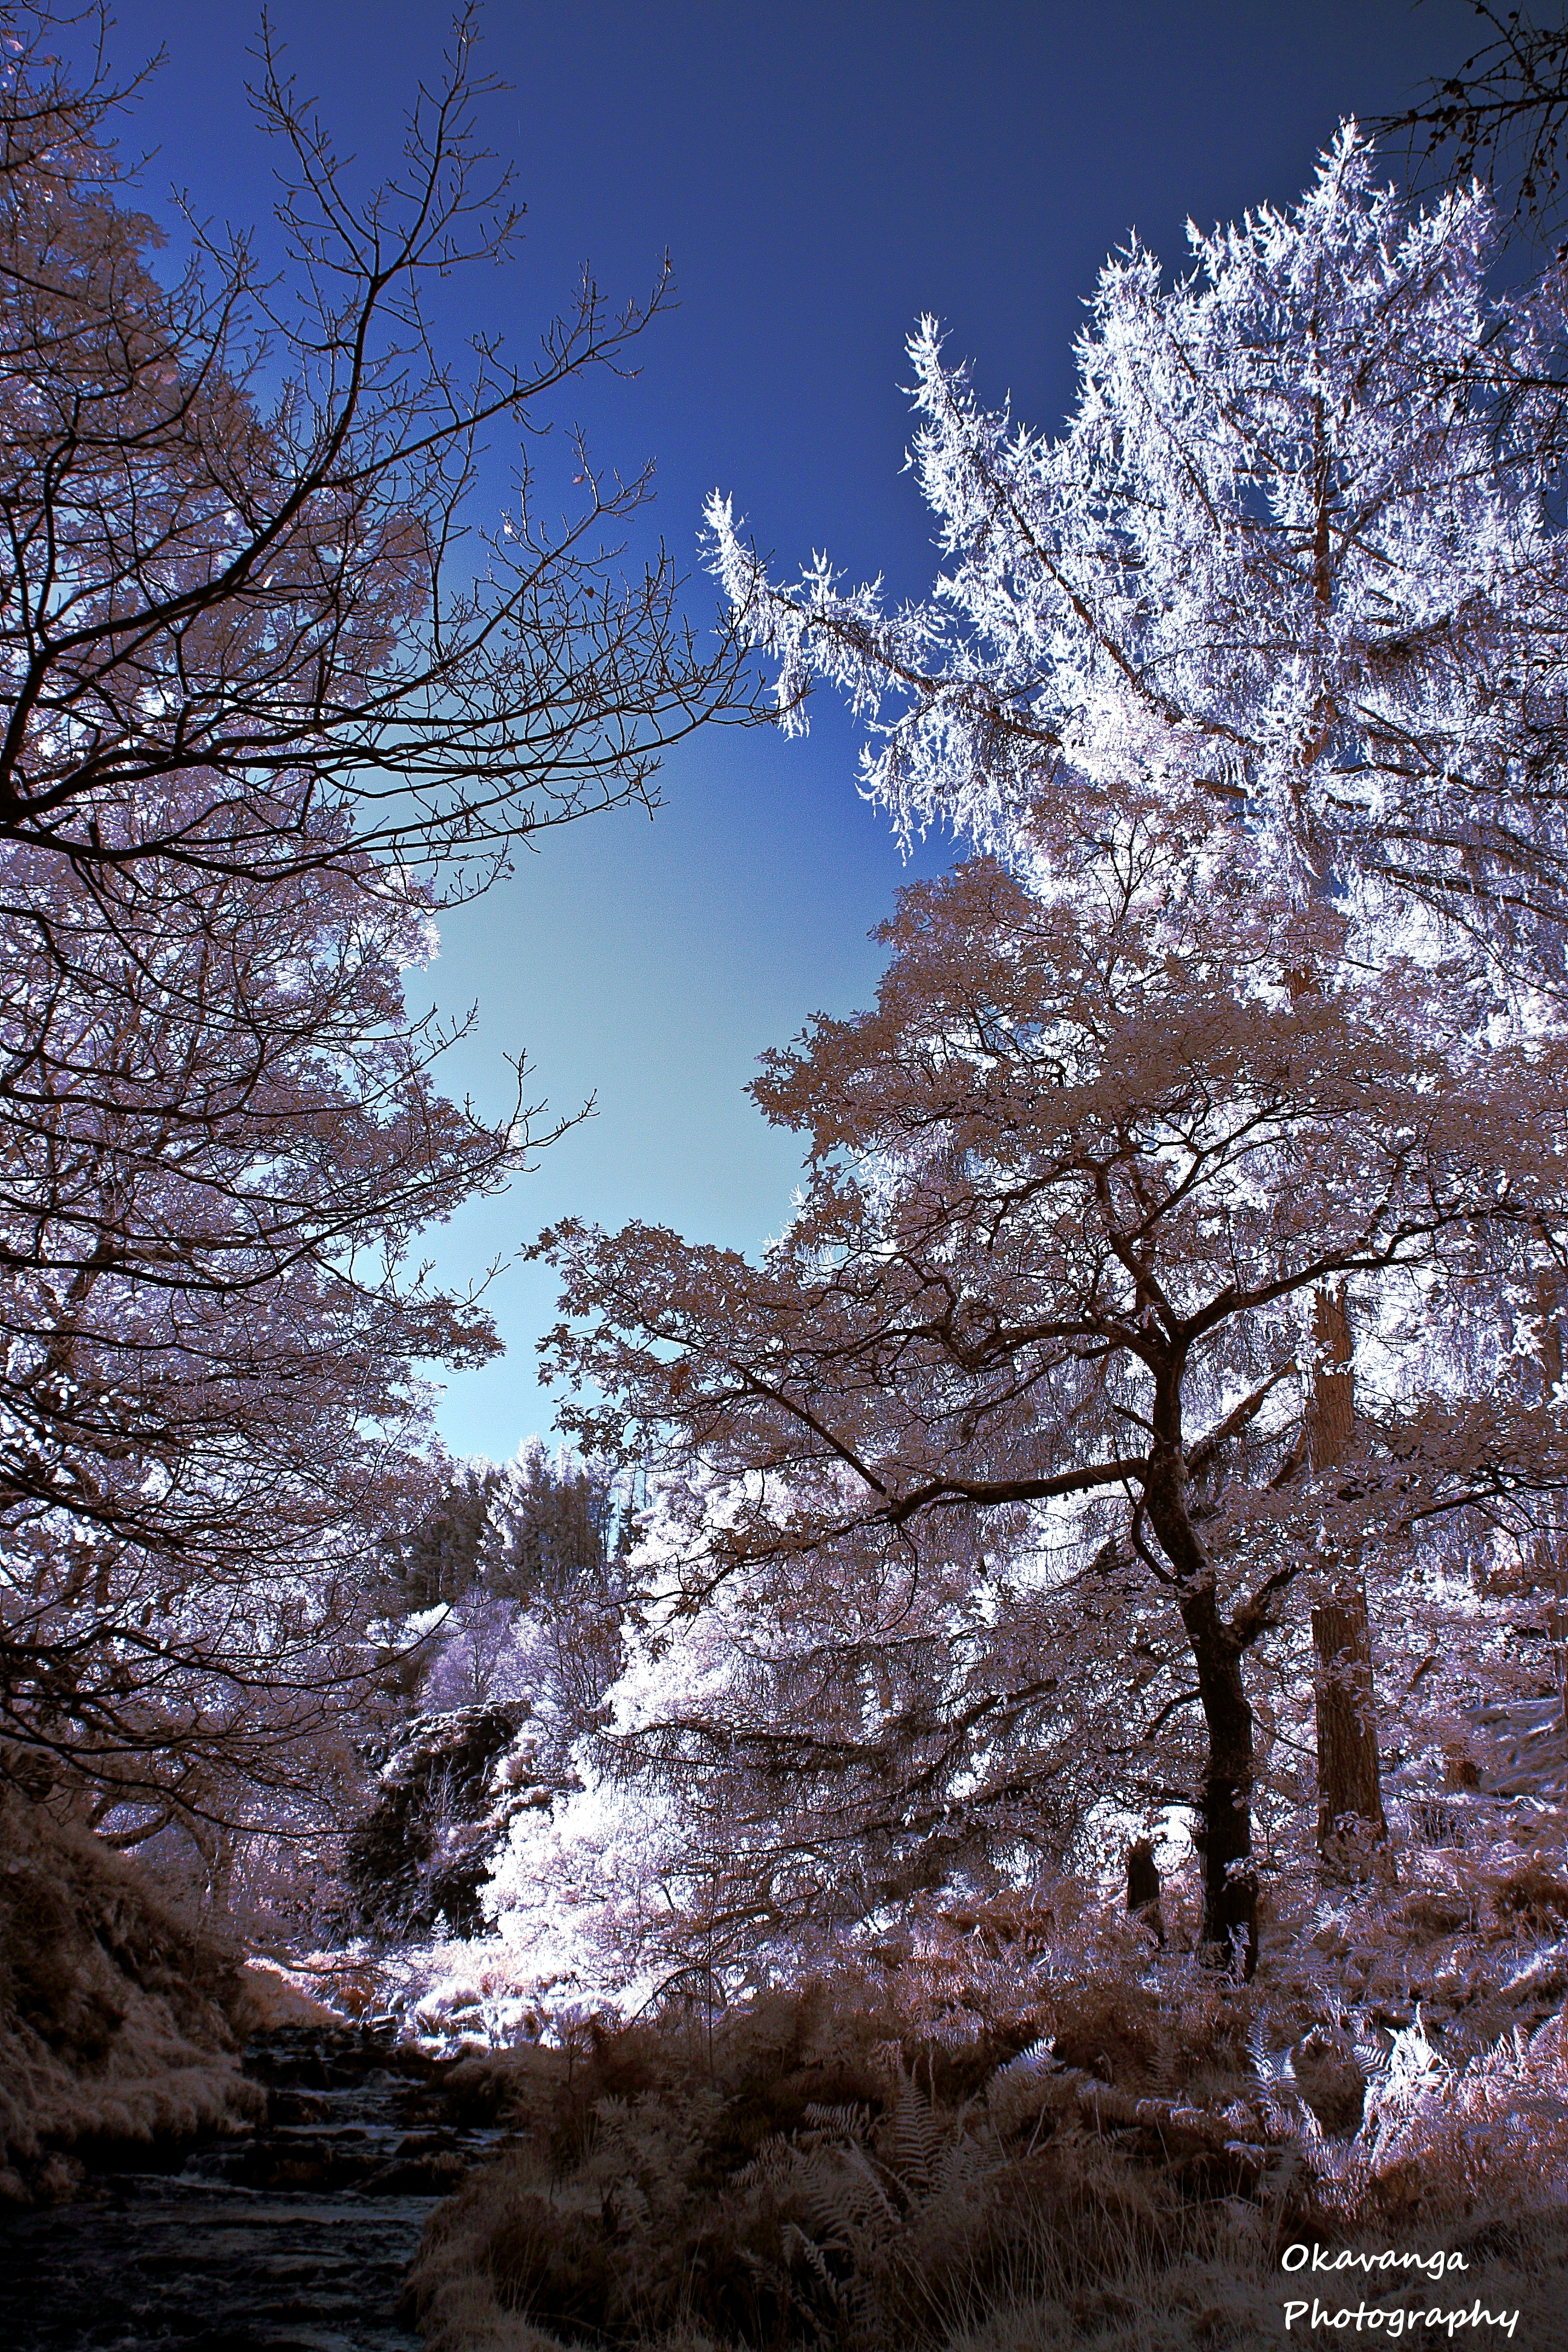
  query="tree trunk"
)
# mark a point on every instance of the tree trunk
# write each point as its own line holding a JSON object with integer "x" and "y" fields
{"x": 1143, "y": 1889}
{"x": 1551, "y": 1544}
{"x": 1351, "y": 1819}
{"x": 1224, "y": 1831}
{"x": 1224, "y": 1834}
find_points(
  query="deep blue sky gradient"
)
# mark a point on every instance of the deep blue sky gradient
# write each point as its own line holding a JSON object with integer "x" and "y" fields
{"x": 820, "y": 175}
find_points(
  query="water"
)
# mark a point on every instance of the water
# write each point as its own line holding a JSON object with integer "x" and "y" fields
{"x": 293, "y": 2240}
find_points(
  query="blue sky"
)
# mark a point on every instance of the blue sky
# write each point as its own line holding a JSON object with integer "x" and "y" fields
{"x": 820, "y": 175}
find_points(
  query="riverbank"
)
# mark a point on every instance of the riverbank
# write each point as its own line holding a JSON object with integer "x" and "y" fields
{"x": 294, "y": 2234}
{"x": 121, "y": 2022}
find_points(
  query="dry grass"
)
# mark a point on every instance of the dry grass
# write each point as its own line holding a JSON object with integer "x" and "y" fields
{"x": 1029, "y": 2132}
{"x": 118, "y": 2018}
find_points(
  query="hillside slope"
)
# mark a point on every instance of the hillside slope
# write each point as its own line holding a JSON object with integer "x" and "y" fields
{"x": 118, "y": 2019}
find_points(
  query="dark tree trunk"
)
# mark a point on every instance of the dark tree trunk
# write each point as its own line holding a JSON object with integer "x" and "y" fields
{"x": 1142, "y": 1878}
{"x": 1351, "y": 1820}
{"x": 1224, "y": 1834}
{"x": 1551, "y": 1544}
{"x": 1143, "y": 1888}
{"x": 1224, "y": 1831}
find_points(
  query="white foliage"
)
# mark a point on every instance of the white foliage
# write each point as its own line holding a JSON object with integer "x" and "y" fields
{"x": 1253, "y": 677}
{"x": 579, "y": 1893}
{"x": 1283, "y": 583}
{"x": 485, "y": 1658}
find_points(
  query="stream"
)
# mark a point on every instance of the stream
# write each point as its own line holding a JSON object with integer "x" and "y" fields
{"x": 293, "y": 2239}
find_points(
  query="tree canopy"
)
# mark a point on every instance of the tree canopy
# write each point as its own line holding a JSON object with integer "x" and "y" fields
{"x": 1180, "y": 1242}
{"x": 261, "y": 678}
{"x": 1289, "y": 572}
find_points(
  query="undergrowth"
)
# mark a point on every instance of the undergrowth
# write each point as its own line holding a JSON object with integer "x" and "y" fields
{"x": 120, "y": 2017}
{"x": 1003, "y": 2136}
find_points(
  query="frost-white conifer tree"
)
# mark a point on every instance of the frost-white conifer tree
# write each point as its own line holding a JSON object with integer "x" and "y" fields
{"x": 1284, "y": 599}
{"x": 1287, "y": 566}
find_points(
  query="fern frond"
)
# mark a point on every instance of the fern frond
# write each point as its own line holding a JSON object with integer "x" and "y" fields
{"x": 851, "y": 2119}
{"x": 915, "y": 2138}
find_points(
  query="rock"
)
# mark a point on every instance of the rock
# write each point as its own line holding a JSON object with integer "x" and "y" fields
{"x": 450, "y": 1786}
{"x": 267, "y": 1997}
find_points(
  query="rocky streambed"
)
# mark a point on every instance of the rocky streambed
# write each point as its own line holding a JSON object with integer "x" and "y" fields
{"x": 292, "y": 2238}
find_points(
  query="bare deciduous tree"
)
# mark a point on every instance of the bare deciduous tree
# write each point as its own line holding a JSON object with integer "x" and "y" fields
{"x": 219, "y": 1137}
{"x": 1499, "y": 116}
{"x": 235, "y": 553}
{"x": 256, "y": 664}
